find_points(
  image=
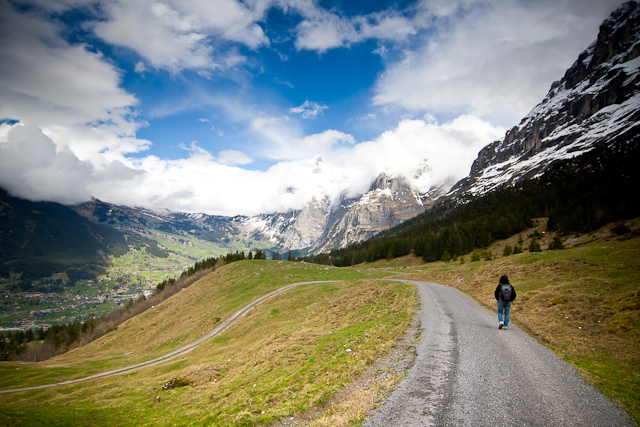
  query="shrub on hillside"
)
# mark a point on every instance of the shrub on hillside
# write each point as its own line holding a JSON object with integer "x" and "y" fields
{"x": 534, "y": 246}
{"x": 621, "y": 229}
{"x": 556, "y": 244}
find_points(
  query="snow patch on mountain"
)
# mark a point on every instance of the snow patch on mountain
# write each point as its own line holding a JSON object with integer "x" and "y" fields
{"x": 597, "y": 100}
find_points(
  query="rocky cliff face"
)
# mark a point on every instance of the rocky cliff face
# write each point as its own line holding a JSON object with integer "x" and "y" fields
{"x": 389, "y": 202}
{"x": 319, "y": 227}
{"x": 292, "y": 230}
{"x": 597, "y": 100}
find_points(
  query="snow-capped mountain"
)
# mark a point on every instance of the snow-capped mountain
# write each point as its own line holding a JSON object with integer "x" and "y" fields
{"x": 293, "y": 230}
{"x": 320, "y": 227}
{"x": 596, "y": 101}
{"x": 389, "y": 202}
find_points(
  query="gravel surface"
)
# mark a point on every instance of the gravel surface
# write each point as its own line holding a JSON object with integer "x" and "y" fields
{"x": 467, "y": 372}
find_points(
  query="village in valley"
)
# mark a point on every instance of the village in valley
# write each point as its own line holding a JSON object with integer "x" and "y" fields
{"x": 56, "y": 301}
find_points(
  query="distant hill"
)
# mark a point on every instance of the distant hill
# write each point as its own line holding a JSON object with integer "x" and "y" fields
{"x": 40, "y": 239}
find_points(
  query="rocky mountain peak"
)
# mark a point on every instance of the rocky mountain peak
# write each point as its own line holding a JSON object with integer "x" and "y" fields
{"x": 618, "y": 34}
{"x": 617, "y": 43}
{"x": 386, "y": 182}
{"x": 597, "y": 100}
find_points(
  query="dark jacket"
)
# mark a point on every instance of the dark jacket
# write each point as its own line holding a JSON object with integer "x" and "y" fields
{"x": 498, "y": 296}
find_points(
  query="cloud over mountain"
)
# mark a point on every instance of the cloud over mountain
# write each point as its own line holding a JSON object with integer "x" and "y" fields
{"x": 106, "y": 98}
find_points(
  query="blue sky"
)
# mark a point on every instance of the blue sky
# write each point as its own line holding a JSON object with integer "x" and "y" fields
{"x": 242, "y": 107}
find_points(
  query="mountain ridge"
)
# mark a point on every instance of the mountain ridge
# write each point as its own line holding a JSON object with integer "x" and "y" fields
{"x": 39, "y": 239}
{"x": 597, "y": 100}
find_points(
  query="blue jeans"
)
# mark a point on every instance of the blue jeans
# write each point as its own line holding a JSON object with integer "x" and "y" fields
{"x": 506, "y": 307}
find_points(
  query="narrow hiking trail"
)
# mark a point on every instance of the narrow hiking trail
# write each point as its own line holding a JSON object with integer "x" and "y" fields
{"x": 181, "y": 350}
{"x": 469, "y": 373}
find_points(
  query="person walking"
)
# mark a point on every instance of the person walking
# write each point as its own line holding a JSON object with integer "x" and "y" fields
{"x": 505, "y": 294}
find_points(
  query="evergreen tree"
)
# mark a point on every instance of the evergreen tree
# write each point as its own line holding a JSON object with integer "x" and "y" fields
{"x": 556, "y": 244}
{"x": 534, "y": 245}
{"x": 390, "y": 253}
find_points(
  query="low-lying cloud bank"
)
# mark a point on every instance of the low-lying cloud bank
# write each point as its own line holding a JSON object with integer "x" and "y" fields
{"x": 33, "y": 167}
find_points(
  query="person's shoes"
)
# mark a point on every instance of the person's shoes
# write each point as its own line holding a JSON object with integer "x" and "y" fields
{"x": 500, "y": 325}
{"x": 505, "y": 328}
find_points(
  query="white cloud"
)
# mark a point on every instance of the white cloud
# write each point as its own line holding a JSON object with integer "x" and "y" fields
{"x": 140, "y": 68}
{"x": 76, "y": 123}
{"x": 322, "y": 30}
{"x": 322, "y": 143}
{"x": 448, "y": 149}
{"x": 283, "y": 139}
{"x": 184, "y": 34}
{"x": 47, "y": 80}
{"x": 495, "y": 60}
{"x": 31, "y": 167}
{"x": 234, "y": 157}
{"x": 158, "y": 33}
{"x": 322, "y": 33}
{"x": 202, "y": 182}
{"x": 198, "y": 183}
{"x": 309, "y": 109}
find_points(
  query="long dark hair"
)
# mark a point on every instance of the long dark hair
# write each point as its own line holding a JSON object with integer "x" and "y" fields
{"x": 504, "y": 279}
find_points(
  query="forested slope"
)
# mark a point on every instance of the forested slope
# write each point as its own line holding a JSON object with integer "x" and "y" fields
{"x": 43, "y": 238}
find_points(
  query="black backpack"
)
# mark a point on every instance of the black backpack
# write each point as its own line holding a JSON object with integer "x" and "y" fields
{"x": 505, "y": 292}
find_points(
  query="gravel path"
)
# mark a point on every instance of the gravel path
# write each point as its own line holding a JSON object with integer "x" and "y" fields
{"x": 469, "y": 373}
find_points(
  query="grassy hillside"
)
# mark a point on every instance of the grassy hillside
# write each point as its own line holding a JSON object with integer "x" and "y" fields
{"x": 583, "y": 302}
{"x": 285, "y": 355}
{"x": 290, "y": 353}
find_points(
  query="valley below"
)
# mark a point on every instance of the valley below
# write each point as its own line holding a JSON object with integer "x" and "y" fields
{"x": 52, "y": 301}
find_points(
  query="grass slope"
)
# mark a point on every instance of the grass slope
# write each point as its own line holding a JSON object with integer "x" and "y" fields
{"x": 286, "y": 355}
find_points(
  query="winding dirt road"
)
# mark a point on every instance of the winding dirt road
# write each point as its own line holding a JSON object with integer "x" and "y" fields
{"x": 182, "y": 350}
